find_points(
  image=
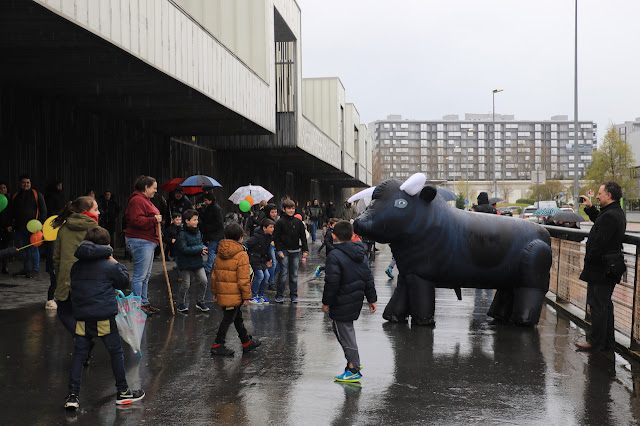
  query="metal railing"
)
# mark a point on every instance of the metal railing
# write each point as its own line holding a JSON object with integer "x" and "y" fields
{"x": 568, "y": 261}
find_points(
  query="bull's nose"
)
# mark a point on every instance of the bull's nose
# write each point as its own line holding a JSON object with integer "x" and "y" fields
{"x": 360, "y": 224}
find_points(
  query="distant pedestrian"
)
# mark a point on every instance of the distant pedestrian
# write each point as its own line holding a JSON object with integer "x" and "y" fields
{"x": 315, "y": 215}
{"x": 347, "y": 281}
{"x": 178, "y": 203}
{"x": 94, "y": 277}
{"x": 348, "y": 211}
{"x": 260, "y": 259}
{"x": 141, "y": 236}
{"x": 212, "y": 225}
{"x": 603, "y": 264}
{"x": 190, "y": 250}
{"x": 272, "y": 213}
{"x": 73, "y": 222}
{"x": 27, "y": 204}
{"x": 328, "y": 243}
{"x": 231, "y": 287}
{"x": 109, "y": 211}
{"x": 483, "y": 204}
{"x": 291, "y": 241}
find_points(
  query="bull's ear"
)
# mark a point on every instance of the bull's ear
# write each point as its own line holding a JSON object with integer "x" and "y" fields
{"x": 428, "y": 193}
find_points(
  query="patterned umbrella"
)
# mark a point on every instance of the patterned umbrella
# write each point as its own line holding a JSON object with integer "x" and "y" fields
{"x": 257, "y": 192}
{"x": 546, "y": 211}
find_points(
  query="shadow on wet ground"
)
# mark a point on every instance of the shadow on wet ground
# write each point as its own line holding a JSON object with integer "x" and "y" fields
{"x": 466, "y": 370}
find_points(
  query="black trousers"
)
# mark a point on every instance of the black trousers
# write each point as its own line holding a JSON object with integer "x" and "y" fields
{"x": 232, "y": 316}
{"x": 599, "y": 299}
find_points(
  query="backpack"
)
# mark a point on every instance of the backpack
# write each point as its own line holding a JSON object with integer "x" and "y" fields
{"x": 35, "y": 194}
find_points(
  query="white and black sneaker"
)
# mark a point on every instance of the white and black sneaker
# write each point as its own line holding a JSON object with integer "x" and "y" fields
{"x": 72, "y": 402}
{"x": 129, "y": 396}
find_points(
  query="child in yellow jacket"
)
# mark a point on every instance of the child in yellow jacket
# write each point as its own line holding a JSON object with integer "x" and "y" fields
{"x": 231, "y": 287}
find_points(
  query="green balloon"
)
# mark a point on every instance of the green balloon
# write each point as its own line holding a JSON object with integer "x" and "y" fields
{"x": 244, "y": 206}
{"x": 3, "y": 202}
{"x": 34, "y": 226}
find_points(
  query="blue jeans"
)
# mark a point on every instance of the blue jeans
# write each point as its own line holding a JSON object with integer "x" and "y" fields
{"x": 314, "y": 228}
{"x": 31, "y": 254}
{"x": 211, "y": 256}
{"x": 260, "y": 282}
{"x": 81, "y": 352}
{"x": 275, "y": 266}
{"x": 288, "y": 266}
{"x": 142, "y": 253}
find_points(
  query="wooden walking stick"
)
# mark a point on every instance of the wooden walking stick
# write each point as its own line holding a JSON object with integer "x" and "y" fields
{"x": 164, "y": 265}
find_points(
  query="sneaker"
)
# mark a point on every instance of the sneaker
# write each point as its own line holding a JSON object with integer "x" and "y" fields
{"x": 202, "y": 306}
{"x": 153, "y": 308}
{"x": 251, "y": 345}
{"x": 72, "y": 402}
{"x": 129, "y": 396}
{"x": 221, "y": 349}
{"x": 348, "y": 377}
{"x": 32, "y": 274}
{"x": 182, "y": 308}
{"x": 264, "y": 300}
{"x": 146, "y": 310}
{"x": 51, "y": 305}
{"x": 317, "y": 271}
{"x": 272, "y": 287}
{"x": 294, "y": 299}
{"x": 389, "y": 272}
{"x": 279, "y": 299}
{"x": 255, "y": 301}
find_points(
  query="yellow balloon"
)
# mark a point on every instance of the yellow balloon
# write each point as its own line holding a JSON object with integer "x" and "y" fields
{"x": 50, "y": 233}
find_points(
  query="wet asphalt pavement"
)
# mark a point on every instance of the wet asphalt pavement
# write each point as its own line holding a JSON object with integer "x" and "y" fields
{"x": 463, "y": 371}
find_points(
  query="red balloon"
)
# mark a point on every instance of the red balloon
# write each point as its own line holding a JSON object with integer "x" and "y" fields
{"x": 37, "y": 238}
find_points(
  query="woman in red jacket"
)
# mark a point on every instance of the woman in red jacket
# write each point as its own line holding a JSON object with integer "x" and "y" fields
{"x": 141, "y": 236}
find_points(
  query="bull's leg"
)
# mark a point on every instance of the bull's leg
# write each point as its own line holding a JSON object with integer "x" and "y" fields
{"x": 502, "y": 305}
{"x": 422, "y": 300}
{"x": 397, "y": 309}
{"x": 534, "y": 283}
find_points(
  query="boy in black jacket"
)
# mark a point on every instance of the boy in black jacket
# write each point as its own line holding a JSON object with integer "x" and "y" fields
{"x": 260, "y": 259}
{"x": 288, "y": 236}
{"x": 93, "y": 279}
{"x": 171, "y": 236}
{"x": 347, "y": 281}
{"x": 328, "y": 243}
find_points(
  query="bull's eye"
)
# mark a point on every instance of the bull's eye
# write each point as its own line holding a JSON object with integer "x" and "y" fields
{"x": 400, "y": 203}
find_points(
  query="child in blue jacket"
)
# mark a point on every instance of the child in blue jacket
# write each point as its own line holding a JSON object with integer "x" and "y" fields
{"x": 190, "y": 249}
{"x": 94, "y": 278}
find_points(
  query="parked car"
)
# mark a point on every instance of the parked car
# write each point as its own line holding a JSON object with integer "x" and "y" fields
{"x": 527, "y": 213}
{"x": 505, "y": 211}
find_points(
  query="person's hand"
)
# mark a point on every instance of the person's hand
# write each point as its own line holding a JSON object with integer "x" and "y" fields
{"x": 112, "y": 259}
{"x": 215, "y": 298}
{"x": 325, "y": 308}
{"x": 585, "y": 201}
{"x": 204, "y": 251}
{"x": 304, "y": 255}
{"x": 245, "y": 303}
{"x": 173, "y": 241}
{"x": 269, "y": 263}
{"x": 159, "y": 218}
{"x": 281, "y": 254}
{"x": 372, "y": 308}
{"x": 9, "y": 229}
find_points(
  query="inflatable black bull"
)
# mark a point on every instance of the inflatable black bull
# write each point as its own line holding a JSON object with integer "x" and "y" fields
{"x": 436, "y": 245}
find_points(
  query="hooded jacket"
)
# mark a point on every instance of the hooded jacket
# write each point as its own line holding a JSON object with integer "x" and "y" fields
{"x": 231, "y": 275}
{"x": 70, "y": 236}
{"x": 605, "y": 237}
{"x": 212, "y": 222}
{"x": 94, "y": 279}
{"x": 140, "y": 218}
{"x": 189, "y": 249}
{"x": 347, "y": 281}
{"x": 483, "y": 204}
{"x": 258, "y": 248}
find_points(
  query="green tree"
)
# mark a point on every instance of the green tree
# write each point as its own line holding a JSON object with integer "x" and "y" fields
{"x": 460, "y": 201}
{"x": 613, "y": 160}
{"x": 548, "y": 190}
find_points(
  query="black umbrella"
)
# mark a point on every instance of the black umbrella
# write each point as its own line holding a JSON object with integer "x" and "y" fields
{"x": 495, "y": 200}
{"x": 566, "y": 216}
{"x": 447, "y": 194}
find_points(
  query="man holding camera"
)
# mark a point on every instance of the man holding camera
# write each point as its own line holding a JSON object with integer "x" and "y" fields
{"x": 603, "y": 263}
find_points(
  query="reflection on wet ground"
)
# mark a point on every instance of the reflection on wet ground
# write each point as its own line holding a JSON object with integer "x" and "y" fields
{"x": 465, "y": 370}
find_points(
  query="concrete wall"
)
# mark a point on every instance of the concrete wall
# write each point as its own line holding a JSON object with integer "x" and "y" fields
{"x": 352, "y": 123}
{"x": 322, "y": 99}
{"x": 162, "y": 35}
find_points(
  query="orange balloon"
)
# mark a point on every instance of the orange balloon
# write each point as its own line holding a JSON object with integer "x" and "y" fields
{"x": 249, "y": 198}
{"x": 37, "y": 238}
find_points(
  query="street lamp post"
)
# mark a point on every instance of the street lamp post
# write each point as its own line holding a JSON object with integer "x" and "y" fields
{"x": 576, "y": 184}
{"x": 495, "y": 182}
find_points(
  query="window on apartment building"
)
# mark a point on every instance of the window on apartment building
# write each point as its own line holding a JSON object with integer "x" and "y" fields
{"x": 404, "y": 125}
{"x": 440, "y": 127}
{"x": 404, "y": 142}
{"x": 480, "y": 135}
{"x": 386, "y": 126}
{"x": 454, "y": 134}
{"x": 440, "y": 135}
{"x": 538, "y": 128}
{"x": 424, "y": 135}
{"x": 423, "y": 127}
{"x": 402, "y": 134}
{"x": 554, "y": 127}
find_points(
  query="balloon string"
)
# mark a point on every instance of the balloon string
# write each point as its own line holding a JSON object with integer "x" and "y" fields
{"x": 31, "y": 245}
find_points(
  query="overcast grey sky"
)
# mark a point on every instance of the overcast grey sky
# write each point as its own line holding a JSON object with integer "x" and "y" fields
{"x": 425, "y": 58}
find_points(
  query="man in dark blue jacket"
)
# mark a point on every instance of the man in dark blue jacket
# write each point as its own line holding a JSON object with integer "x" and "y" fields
{"x": 347, "y": 281}
{"x": 94, "y": 278}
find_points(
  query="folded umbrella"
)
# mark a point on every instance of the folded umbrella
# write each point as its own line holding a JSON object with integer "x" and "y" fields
{"x": 257, "y": 192}
{"x": 495, "y": 200}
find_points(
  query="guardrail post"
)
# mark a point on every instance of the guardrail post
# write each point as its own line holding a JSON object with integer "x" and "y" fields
{"x": 634, "y": 313}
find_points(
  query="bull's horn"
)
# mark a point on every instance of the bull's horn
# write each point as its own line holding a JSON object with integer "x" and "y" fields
{"x": 367, "y": 193}
{"x": 414, "y": 184}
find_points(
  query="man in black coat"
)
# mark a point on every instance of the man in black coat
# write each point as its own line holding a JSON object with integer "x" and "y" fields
{"x": 605, "y": 240}
{"x": 483, "y": 204}
{"x": 212, "y": 226}
{"x": 27, "y": 204}
{"x": 179, "y": 203}
{"x": 347, "y": 281}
